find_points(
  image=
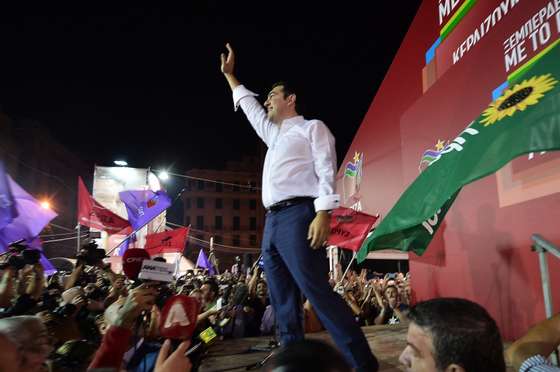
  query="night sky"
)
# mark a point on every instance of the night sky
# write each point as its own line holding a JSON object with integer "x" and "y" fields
{"x": 144, "y": 84}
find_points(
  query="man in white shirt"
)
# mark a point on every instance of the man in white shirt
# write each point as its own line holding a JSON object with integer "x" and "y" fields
{"x": 298, "y": 192}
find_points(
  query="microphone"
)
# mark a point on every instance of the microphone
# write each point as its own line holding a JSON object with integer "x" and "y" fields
{"x": 178, "y": 317}
{"x": 132, "y": 262}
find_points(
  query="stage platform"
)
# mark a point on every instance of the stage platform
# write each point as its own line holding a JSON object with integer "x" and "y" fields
{"x": 234, "y": 355}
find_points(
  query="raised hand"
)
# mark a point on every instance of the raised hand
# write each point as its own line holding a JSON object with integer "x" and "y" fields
{"x": 177, "y": 361}
{"x": 229, "y": 61}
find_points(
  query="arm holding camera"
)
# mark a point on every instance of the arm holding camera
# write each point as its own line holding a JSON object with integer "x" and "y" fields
{"x": 253, "y": 282}
{"x": 116, "y": 340}
{"x": 36, "y": 282}
{"x": 75, "y": 275}
{"x": 7, "y": 291}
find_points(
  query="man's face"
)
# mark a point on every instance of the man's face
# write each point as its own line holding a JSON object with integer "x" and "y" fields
{"x": 36, "y": 351}
{"x": 207, "y": 293}
{"x": 391, "y": 295}
{"x": 261, "y": 289}
{"x": 276, "y": 105}
{"x": 418, "y": 356}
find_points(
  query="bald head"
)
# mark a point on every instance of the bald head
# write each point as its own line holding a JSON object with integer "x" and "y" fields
{"x": 10, "y": 356}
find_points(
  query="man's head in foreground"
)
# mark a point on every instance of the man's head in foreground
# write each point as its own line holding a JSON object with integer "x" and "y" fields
{"x": 452, "y": 335}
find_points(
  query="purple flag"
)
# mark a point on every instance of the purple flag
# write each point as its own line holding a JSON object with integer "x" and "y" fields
{"x": 8, "y": 210}
{"x": 125, "y": 243}
{"x": 143, "y": 206}
{"x": 202, "y": 261}
{"x": 31, "y": 217}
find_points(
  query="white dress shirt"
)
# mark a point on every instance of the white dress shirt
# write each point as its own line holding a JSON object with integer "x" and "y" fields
{"x": 301, "y": 157}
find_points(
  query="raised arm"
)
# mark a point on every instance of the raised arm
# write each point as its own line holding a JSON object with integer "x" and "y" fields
{"x": 228, "y": 63}
{"x": 243, "y": 97}
{"x": 542, "y": 339}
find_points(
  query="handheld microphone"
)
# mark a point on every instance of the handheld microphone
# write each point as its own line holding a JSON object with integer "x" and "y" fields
{"x": 132, "y": 262}
{"x": 178, "y": 317}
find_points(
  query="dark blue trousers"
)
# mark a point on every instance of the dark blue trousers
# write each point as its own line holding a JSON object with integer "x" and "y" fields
{"x": 292, "y": 267}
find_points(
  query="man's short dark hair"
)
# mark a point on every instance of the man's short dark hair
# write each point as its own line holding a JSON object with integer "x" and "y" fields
{"x": 213, "y": 286}
{"x": 288, "y": 89}
{"x": 463, "y": 333}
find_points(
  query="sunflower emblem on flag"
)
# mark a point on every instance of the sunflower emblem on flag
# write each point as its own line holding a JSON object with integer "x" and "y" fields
{"x": 518, "y": 98}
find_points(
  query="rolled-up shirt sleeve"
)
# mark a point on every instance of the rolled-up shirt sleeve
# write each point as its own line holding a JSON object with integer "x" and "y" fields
{"x": 324, "y": 160}
{"x": 537, "y": 363}
{"x": 255, "y": 113}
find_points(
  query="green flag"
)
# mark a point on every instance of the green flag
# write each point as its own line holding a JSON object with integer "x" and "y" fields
{"x": 524, "y": 119}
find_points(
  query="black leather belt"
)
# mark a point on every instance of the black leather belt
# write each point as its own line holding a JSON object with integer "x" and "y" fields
{"x": 288, "y": 203}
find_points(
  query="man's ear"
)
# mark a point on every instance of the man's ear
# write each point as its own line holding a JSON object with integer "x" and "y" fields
{"x": 292, "y": 99}
{"x": 454, "y": 368}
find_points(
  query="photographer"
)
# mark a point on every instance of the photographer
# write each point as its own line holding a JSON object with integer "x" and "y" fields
{"x": 122, "y": 320}
{"x": 29, "y": 289}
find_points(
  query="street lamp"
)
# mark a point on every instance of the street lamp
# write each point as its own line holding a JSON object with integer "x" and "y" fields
{"x": 45, "y": 204}
{"x": 120, "y": 163}
{"x": 163, "y": 175}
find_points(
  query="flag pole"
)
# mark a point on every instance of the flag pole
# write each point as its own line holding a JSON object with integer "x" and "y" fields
{"x": 78, "y": 229}
{"x": 347, "y": 268}
{"x": 138, "y": 229}
{"x": 212, "y": 256}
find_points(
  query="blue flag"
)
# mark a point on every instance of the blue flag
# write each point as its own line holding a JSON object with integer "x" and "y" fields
{"x": 30, "y": 220}
{"x": 202, "y": 262}
{"x": 8, "y": 210}
{"x": 143, "y": 206}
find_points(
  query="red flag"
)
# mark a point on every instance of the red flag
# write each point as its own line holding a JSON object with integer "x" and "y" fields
{"x": 349, "y": 228}
{"x": 93, "y": 214}
{"x": 167, "y": 241}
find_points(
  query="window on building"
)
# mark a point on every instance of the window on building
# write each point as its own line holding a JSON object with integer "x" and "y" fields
{"x": 200, "y": 222}
{"x": 235, "y": 241}
{"x": 200, "y": 202}
{"x": 253, "y": 185}
{"x": 218, "y": 223}
{"x": 219, "y": 187}
{"x": 236, "y": 223}
{"x": 200, "y": 185}
{"x": 236, "y": 187}
{"x": 252, "y": 204}
{"x": 253, "y": 240}
{"x": 189, "y": 184}
{"x": 219, "y": 203}
{"x": 187, "y": 220}
{"x": 188, "y": 203}
{"x": 218, "y": 239}
{"x": 252, "y": 223}
{"x": 236, "y": 204}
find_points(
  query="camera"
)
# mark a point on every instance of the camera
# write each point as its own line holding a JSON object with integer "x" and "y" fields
{"x": 64, "y": 311}
{"x": 21, "y": 256}
{"x": 339, "y": 289}
{"x": 90, "y": 254}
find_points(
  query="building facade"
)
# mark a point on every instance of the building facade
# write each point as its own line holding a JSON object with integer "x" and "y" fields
{"x": 225, "y": 205}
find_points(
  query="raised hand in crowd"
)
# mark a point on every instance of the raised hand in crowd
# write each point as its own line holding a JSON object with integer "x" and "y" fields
{"x": 7, "y": 287}
{"x": 175, "y": 362}
{"x": 140, "y": 299}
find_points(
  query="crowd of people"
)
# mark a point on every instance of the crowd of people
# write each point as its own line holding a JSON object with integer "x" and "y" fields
{"x": 93, "y": 318}
{"x": 59, "y": 321}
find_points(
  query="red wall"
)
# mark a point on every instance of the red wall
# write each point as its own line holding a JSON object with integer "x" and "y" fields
{"x": 483, "y": 250}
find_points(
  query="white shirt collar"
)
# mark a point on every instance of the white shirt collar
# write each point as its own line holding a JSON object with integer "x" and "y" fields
{"x": 293, "y": 120}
